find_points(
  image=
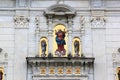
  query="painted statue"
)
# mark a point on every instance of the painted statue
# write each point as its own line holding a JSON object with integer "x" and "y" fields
{"x": 60, "y": 40}
{"x": 43, "y": 46}
{"x": 1, "y": 75}
{"x": 76, "y": 48}
{"x": 118, "y": 75}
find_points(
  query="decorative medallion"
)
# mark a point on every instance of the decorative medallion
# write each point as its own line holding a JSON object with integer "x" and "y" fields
{"x": 42, "y": 70}
{"x": 77, "y": 70}
{"x": 60, "y": 70}
{"x": 69, "y": 70}
{"x": 51, "y": 70}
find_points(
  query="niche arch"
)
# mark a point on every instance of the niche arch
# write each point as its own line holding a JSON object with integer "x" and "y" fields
{"x": 58, "y": 27}
{"x": 76, "y": 45}
{"x": 40, "y": 46}
{"x": 59, "y": 14}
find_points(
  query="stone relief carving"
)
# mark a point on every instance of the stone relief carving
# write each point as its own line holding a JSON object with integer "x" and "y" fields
{"x": 21, "y": 21}
{"x": 98, "y": 22}
{"x": 82, "y": 24}
{"x": 37, "y": 22}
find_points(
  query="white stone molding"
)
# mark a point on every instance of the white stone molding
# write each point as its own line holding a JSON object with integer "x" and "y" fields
{"x": 21, "y": 21}
{"x": 82, "y": 25}
{"x": 98, "y": 22}
{"x": 62, "y": 7}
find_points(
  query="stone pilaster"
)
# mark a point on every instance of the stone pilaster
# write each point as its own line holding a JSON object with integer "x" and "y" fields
{"x": 98, "y": 33}
{"x": 21, "y": 46}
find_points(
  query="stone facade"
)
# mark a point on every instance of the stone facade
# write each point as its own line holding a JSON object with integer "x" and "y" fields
{"x": 24, "y": 22}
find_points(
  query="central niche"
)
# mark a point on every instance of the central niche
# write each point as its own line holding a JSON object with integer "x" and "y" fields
{"x": 60, "y": 41}
{"x": 60, "y": 29}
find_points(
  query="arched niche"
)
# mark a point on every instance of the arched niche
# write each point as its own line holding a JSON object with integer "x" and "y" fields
{"x": 2, "y": 72}
{"x": 57, "y": 14}
{"x": 55, "y": 45}
{"x": 118, "y": 73}
{"x": 42, "y": 46}
{"x": 76, "y": 47}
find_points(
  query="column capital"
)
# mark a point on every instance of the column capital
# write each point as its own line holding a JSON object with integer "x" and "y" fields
{"x": 98, "y": 22}
{"x": 21, "y": 21}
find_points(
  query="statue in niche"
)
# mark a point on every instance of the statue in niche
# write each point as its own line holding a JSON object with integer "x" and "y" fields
{"x": 1, "y": 75}
{"x": 43, "y": 46}
{"x": 76, "y": 48}
{"x": 118, "y": 75}
{"x": 60, "y": 40}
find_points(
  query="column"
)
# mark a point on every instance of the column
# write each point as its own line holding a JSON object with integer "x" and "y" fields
{"x": 70, "y": 23}
{"x": 50, "y": 34}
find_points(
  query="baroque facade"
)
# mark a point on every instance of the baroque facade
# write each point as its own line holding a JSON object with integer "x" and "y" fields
{"x": 59, "y": 39}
